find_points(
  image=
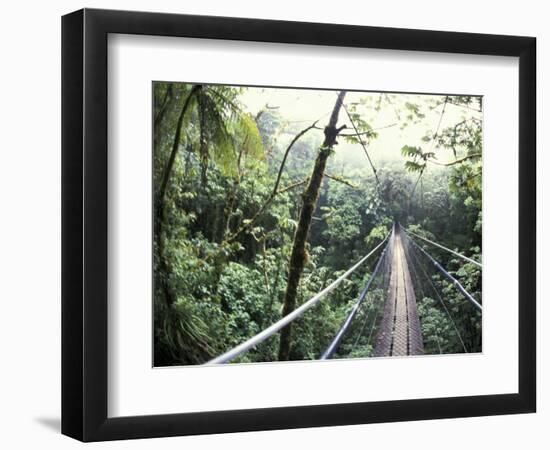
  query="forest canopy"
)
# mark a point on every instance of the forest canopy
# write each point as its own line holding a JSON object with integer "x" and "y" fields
{"x": 264, "y": 196}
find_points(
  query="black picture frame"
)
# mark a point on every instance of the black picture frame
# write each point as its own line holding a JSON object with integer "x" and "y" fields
{"x": 84, "y": 224}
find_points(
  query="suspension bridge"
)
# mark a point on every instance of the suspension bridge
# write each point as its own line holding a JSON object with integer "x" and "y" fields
{"x": 385, "y": 315}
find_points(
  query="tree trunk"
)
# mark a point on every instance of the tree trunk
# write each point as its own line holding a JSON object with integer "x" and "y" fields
{"x": 166, "y": 104}
{"x": 310, "y": 197}
{"x": 164, "y": 265}
{"x": 175, "y": 147}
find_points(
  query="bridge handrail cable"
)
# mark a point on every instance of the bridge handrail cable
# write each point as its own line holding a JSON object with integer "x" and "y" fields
{"x": 447, "y": 275}
{"x": 473, "y": 261}
{"x": 272, "y": 329}
{"x": 333, "y": 346}
{"x": 440, "y": 297}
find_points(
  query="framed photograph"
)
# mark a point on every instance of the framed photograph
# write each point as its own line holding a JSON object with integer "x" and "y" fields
{"x": 274, "y": 224}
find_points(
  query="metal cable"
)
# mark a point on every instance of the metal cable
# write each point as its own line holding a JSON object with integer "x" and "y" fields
{"x": 456, "y": 283}
{"x": 371, "y": 306}
{"x": 272, "y": 329}
{"x": 385, "y": 283}
{"x": 441, "y": 301}
{"x": 362, "y": 144}
{"x": 331, "y": 349}
{"x": 473, "y": 261}
{"x": 436, "y": 333}
{"x": 438, "y": 344}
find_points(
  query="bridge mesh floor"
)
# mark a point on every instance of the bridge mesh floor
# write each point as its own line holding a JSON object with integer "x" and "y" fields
{"x": 399, "y": 332}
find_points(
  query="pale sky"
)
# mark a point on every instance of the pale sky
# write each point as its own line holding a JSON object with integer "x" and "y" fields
{"x": 306, "y": 106}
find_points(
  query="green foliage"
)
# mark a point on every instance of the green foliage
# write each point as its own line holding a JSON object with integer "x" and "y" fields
{"x": 224, "y": 244}
{"x": 418, "y": 160}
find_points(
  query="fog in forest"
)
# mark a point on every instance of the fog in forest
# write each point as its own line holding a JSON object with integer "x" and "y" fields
{"x": 300, "y": 108}
{"x": 346, "y": 224}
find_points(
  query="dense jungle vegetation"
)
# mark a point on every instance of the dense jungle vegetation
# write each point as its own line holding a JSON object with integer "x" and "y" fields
{"x": 260, "y": 204}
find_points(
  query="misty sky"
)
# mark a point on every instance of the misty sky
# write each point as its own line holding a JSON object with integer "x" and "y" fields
{"x": 303, "y": 107}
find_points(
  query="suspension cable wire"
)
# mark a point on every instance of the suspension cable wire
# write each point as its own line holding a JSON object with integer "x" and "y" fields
{"x": 473, "y": 261}
{"x": 372, "y": 329}
{"x": 387, "y": 288}
{"x": 437, "y": 341}
{"x": 436, "y": 332}
{"x": 361, "y": 333}
{"x": 413, "y": 266}
{"x": 333, "y": 346}
{"x": 360, "y": 139}
{"x": 366, "y": 316}
{"x": 272, "y": 329}
{"x": 416, "y": 184}
{"x": 387, "y": 273}
{"x": 362, "y": 329}
{"x": 432, "y": 142}
{"x": 440, "y": 300}
{"x": 372, "y": 303}
{"x": 447, "y": 275}
{"x": 385, "y": 284}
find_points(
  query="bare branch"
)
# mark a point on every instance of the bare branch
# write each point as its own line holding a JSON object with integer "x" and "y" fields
{"x": 275, "y": 190}
{"x": 285, "y": 156}
{"x": 291, "y": 186}
{"x": 341, "y": 180}
{"x": 457, "y": 161}
{"x": 367, "y": 133}
{"x": 260, "y": 211}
